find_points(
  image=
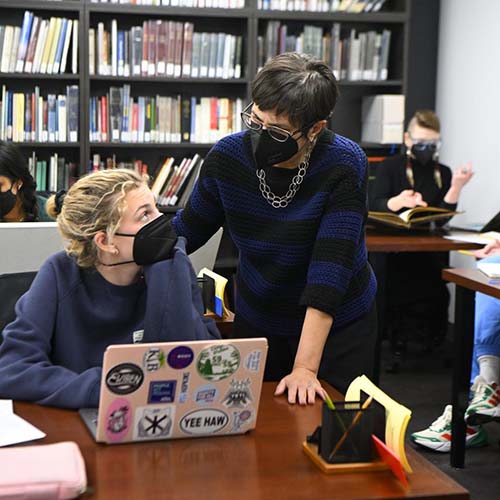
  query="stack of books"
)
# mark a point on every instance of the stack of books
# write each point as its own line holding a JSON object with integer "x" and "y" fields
{"x": 360, "y": 56}
{"x": 163, "y": 48}
{"x": 174, "y": 182}
{"x": 39, "y": 45}
{"x": 350, "y": 6}
{"x": 215, "y": 4}
{"x": 119, "y": 117}
{"x": 110, "y": 162}
{"x": 29, "y": 117}
{"x": 54, "y": 174}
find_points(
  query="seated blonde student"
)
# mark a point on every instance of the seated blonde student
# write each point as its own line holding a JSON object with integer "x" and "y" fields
{"x": 97, "y": 293}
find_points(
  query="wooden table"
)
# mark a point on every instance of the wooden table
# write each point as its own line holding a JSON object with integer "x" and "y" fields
{"x": 384, "y": 242}
{"x": 267, "y": 463}
{"x": 379, "y": 243}
{"x": 467, "y": 281}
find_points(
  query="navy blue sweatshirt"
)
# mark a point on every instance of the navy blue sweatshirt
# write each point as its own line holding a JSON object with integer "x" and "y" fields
{"x": 52, "y": 352}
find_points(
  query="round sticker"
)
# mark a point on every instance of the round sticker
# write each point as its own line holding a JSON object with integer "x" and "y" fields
{"x": 124, "y": 378}
{"x": 118, "y": 418}
{"x": 180, "y": 357}
{"x": 218, "y": 362}
{"x": 203, "y": 421}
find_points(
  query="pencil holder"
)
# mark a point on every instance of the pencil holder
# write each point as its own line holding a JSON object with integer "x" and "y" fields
{"x": 346, "y": 432}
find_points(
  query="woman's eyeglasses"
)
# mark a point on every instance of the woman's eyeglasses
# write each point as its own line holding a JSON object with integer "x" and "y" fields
{"x": 277, "y": 133}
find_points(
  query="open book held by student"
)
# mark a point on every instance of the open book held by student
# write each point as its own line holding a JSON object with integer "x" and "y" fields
{"x": 411, "y": 217}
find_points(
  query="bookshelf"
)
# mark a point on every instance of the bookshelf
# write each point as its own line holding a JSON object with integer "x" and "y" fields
{"x": 413, "y": 25}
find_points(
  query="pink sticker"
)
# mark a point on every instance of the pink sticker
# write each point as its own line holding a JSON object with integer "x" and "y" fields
{"x": 118, "y": 418}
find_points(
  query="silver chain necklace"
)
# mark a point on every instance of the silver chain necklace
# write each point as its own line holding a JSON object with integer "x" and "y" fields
{"x": 283, "y": 201}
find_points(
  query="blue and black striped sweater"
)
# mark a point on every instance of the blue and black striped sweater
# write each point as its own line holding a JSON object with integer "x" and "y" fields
{"x": 311, "y": 253}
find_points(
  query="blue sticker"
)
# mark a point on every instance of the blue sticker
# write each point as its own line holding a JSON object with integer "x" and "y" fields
{"x": 162, "y": 391}
{"x": 180, "y": 357}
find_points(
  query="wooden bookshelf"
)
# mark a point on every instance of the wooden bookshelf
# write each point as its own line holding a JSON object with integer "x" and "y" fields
{"x": 413, "y": 49}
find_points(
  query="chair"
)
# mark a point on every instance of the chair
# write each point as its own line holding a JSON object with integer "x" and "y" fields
{"x": 12, "y": 286}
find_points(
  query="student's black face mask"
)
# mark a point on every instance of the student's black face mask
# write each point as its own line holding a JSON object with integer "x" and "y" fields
{"x": 152, "y": 243}
{"x": 424, "y": 153}
{"x": 7, "y": 202}
{"x": 268, "y": 151}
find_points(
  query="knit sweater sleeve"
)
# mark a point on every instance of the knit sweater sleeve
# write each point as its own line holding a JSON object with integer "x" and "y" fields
{"x": 26, "y": 370}
{"x": 204, "y": 213}
{"x": 331, "y": 269}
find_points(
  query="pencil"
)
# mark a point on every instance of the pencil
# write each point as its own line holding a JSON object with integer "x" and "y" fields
{"x": 355, "y": 420}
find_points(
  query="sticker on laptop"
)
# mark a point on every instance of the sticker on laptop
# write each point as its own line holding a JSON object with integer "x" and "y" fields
{"x": 238, "y": 394}
{"x": 206, "y": 394}
{"x": 154, "y": 422}
{"x": 218, "y": 362}
{"x": 180, "y": 357}
{"x": 154, "y": 359}
{"x": 240, "y": 419}
{"x": 252, "y": 361}
{"x": 118, "y": 418}
{"x": 207, "y": 421}
{"x": 162, "y": 391}
{"x": 124, "y": 378}
{"x": 183, "y": 395}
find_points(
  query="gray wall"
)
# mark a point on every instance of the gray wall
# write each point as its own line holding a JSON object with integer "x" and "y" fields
{"x": 468, "y": 99}
{"x": 468, "y": 103}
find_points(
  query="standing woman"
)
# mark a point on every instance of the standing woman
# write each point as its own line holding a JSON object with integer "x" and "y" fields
{"x": 18, "y": 199}
{"x": 293, "y": 197}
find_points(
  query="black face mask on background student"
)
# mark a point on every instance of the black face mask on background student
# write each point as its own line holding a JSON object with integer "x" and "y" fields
{"x": 424, "y": 153}
{"x": 152, "y": 243}
{"x": 7, "y": 202}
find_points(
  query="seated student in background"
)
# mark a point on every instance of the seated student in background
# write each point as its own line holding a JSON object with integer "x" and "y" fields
{"x": 94, "y": 294}
{"x": 416, "y": 293}
{"x": 18, "y": 199}
{"x": 485, "y": 374}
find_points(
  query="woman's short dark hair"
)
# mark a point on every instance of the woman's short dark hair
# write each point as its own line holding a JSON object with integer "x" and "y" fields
{"x": 296, "y": 85}
{"x": 13, "y": 165}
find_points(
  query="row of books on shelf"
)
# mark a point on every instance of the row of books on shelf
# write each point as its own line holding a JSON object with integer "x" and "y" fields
{"x": 163, "y": 48}
{"x": 39, "y": 45}
{"x": 29, "y": 117}
{"x": 348, "y": 6}
{"x": 110, "y": 162}
{"x": 221, "y": 4}
{"x": 351, "y": 6}
{"x": 174, "y": 181}
{"x": 52, "y": 175}
{"x": 120, "y": 117}
{"x": 359, "y": 56}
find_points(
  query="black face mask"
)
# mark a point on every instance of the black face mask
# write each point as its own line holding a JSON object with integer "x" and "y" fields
{"x": 152, "y": 243}
{"x": 7, "y": 202}
{"x": 268, "y": 151}
{"x": 424, "y": 153}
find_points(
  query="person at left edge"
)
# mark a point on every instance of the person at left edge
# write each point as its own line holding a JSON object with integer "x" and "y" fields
{"x": 293, "y": 197}
{"x": 106, "y": 288}
{"x": 19, "y": 201}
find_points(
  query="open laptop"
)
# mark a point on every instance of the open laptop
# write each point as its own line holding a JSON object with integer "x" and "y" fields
{"x": 492, "y": 225}
{"x": 171, "y": 390}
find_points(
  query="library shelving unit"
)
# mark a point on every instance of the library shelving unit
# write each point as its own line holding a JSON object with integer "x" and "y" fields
{"x": 11, "y": 13}
{"x": 413, "y": 52}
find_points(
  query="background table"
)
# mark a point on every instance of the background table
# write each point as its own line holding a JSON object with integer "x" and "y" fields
{"x": 379, "y": 243}
{"x": 267, "y": 463}
{"x": 467, "y": 281}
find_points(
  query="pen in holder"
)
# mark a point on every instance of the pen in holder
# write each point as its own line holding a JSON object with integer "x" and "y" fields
{"x": 346, "y": 432}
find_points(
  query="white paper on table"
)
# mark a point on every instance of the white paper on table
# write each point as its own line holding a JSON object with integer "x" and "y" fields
{"x": 481, "y": 239}
{"x": 14, "y": 429}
